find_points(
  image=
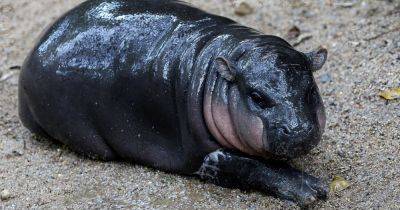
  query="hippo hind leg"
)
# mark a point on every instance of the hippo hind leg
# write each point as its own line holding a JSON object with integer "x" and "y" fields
{"x": 80, "y": 137}
{"x": 83, "y": 139}
{"x": 27, "y": 118}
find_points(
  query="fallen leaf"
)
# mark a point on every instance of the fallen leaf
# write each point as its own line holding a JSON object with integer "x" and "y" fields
{"x": 390, "y": 94}
{"x": 293, "y": 32}
{"x": 338, "y": 184}
{"x": 243, "y": 9}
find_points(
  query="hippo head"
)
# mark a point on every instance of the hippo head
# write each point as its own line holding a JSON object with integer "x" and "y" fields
{"x": 266, "y": 102}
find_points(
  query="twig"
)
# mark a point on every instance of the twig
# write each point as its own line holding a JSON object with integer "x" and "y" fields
{"x": 15, "y": 68}
{"x": 382, "y": 34}
{"x": 302, "y": 38}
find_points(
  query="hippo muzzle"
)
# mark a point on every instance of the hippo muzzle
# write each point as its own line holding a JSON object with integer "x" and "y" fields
{"x": 297, "y": 130}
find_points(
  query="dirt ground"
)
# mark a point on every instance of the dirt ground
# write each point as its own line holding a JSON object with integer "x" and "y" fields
{"x": 361, "y": 142}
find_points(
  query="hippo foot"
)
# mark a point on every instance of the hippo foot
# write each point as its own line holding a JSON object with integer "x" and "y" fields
{"x": 229, "y": 169}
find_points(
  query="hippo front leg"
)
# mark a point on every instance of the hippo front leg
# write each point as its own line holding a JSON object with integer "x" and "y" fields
{"x": 229, "y": 169}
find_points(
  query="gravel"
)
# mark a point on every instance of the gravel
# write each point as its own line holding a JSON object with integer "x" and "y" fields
{"x": 5, "y": 195}
{"x": 361, "y": 142}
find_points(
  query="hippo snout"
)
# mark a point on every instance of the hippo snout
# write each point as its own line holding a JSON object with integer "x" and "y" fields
{"x": 289, "y": 142}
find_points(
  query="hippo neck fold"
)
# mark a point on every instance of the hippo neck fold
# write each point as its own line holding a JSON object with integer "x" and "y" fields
{"x": 214, "y": 102}
{"x": 201, "y": 69}
{"x": 228, "y": 119}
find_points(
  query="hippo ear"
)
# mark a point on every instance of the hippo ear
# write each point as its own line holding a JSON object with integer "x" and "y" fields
{"x": 317, "y": 58}
{"x": 225, "y": 69}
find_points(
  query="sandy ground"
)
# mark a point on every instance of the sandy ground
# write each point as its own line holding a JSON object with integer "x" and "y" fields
{"x": 361, "y": 143}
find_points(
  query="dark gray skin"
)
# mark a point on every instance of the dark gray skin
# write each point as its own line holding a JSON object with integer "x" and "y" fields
{"x": 163, "y": 84}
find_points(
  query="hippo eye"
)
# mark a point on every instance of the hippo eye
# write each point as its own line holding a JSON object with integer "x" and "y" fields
{"x": 262, "y": 102}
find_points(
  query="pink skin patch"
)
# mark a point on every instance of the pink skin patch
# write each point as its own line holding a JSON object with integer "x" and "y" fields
{"x": 249, "y": 127}
{"x": 240, "y": 130}
{"x": 224, "y": 124}
{"x": 221, "y": 116}
{"x": 252, "y": 130}
{"x": 211, "y": 125}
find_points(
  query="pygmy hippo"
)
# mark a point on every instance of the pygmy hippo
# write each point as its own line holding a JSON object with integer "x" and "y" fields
{"x": 163, "y": 84}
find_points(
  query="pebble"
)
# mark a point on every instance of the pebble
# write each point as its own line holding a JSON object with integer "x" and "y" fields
{"x": 10, "y": 77}
{"x": 325, "y": 78}
{"x": 17, "y": 153}
{"x": 244, "y": 9}
{"x": 5, "y": 195}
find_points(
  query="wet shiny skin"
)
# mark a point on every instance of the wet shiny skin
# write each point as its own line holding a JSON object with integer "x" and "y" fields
{"x": 139, "y": 82}
{"x": 162, "y": 84}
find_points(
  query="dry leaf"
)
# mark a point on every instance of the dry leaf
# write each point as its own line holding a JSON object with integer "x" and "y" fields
{"x": 391, "y": 94}
{"x": 243, "y": 9}
{"x": 338, "y": 184}
{"x": 293, "y": 32}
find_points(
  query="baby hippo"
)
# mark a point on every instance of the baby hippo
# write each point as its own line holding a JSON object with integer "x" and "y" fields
{"x": 163, "y": 84}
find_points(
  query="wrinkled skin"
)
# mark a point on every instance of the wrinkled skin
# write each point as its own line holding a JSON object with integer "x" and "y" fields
{"x": 271, "y": 106}
{"x": 167, "y": 85}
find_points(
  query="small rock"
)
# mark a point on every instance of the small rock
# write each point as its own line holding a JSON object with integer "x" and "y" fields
{"x": 5, "y": 195}
{"x": 10, "y": 77}
{"x": 325, "y": 78}
{"x": 17, "y": 153}
{"x": 347, "y": 4}
{"x": 244, "y": 9}
{"x": 307, "y": 13}
{"x": 341, "y": 153}
{"x": 372, "y": 12}
{"x": 355, "y": 44}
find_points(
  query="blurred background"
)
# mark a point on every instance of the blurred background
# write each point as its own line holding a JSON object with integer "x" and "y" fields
{"x": 359, "y": 155}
